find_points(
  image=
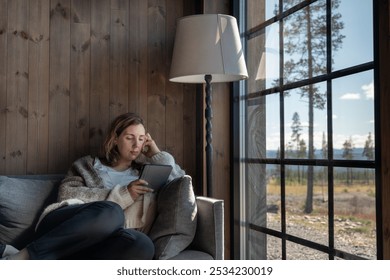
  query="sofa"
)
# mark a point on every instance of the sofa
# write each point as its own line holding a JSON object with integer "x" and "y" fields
{"x": 191, "y": 227}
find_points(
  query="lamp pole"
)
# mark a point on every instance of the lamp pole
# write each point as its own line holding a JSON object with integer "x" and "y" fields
{"x": 209, "y": 137}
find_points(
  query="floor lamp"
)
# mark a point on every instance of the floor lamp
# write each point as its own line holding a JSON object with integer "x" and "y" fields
{"x": 207, "y": 50}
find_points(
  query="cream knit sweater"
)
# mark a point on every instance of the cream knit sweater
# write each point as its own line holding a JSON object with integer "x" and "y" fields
{"x": 82, "y": 184}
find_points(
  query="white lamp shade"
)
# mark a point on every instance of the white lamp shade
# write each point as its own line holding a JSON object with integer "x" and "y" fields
{"x": 207, "y": 44}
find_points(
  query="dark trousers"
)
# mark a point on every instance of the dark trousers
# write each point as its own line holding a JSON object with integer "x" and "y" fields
{"x": 89, "y": 231}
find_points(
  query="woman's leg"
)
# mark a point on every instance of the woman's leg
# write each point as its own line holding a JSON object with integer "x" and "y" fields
{"x": 70, "y": 229}
{"x": 124, "y": 244}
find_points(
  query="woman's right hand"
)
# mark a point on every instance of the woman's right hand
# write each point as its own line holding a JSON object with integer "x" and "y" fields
{"x": 137, "y": 188}
{"x": 150, "y": 148}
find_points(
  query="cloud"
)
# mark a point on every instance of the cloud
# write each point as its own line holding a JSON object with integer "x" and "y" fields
{"x": 350, "y": 96}
{"x": 369, "y": 90}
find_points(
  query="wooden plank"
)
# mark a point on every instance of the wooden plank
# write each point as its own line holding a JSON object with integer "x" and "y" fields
{"x": 100, "y": 73}
{"x": 138, "y": 37}
{"x": 17, "y": 87}
{"x": 81, "y": 11}
{"x": 174, "y": 91}
{"x": 79, "y": 80}
{"x": 119, "y": 83}
{"x": 190, "y": 136}
{"x": 143, "y": 55}
{"x": 191, "y": 7}
{"x": 135, "y": 48}
{"x": 3, "y": 83}
{"x": 384, "y": 131}
{"x": 192, "y": 147}
{"x": 119, "y": 4}
{"x": 157, "y": 71}
{"x": 38, "y": 102}
{"x": 59, "y": 86}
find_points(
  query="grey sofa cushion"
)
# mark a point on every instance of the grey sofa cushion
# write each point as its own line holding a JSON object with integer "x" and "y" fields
{"x": 175, "y": 224}
{"x": 21, "y": 202}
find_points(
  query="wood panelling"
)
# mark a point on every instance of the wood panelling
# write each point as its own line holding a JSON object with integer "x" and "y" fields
{"x": 157, "y": 77}
{"x": 17, "y": 83}
{"x": 80, "y": 76}
{"x": 119, "y": 59}
{"x": 100, "y": 73}
{"x": 68, "y": 67}
{"x": 38, "y": 93}
{"x": 59, "y": 88}
{"x": 3, "y": 81}
{"x": 174, "y": 97}
{"x": 138, "y": 42}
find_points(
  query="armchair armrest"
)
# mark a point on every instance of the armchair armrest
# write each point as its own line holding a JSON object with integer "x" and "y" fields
{"x": 209, "y": 235}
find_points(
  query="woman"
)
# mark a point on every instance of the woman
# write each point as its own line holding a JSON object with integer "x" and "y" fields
{"x": 104, "y": 211}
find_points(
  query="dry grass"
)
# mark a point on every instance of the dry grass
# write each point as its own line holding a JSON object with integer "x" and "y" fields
{"x": 354, "y": 214}
{"x": 352, "y": 203}
{"x": 273, "y": 188}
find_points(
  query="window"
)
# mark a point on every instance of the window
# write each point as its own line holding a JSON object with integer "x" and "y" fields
{"x": 307, "y": 130}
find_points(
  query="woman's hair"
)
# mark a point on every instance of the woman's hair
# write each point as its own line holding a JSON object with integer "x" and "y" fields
{"x": 110, "y": 153}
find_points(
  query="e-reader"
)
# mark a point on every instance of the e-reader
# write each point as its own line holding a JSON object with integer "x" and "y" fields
{"x": 156, "y": 175}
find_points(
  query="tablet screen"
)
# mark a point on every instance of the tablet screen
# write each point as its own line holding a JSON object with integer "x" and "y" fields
{"x": 156, "y": 175}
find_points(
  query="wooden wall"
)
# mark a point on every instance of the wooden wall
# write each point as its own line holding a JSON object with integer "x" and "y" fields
{"x": 68, "y": 67}
{"x": 383, "y": 48}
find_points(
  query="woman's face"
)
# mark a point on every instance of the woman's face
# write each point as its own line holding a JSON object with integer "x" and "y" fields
{"x": 130, "y": 142}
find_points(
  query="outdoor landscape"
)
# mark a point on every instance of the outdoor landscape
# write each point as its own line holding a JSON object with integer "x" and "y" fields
{"x": 354, "y": 218}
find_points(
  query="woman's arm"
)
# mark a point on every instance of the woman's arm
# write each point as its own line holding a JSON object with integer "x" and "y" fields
{"x": 167, "y": 158}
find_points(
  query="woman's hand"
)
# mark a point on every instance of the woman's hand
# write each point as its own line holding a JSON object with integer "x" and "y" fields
{"x": 137, "y": 188}
{"x": 150, "y": 147}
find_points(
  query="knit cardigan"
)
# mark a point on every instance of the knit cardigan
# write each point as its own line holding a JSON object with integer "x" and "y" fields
{"x": 82, "y": 184}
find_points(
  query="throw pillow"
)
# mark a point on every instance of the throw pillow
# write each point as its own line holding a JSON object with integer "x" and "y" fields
{"x": 175, "y": 224}
{"x": 21, "y": 203}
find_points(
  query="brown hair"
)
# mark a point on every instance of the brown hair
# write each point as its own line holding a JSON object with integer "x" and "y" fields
{"x": 110, "y": 153}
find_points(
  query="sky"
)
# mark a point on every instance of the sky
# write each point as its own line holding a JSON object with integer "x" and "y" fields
{"x": 353, "y": 96}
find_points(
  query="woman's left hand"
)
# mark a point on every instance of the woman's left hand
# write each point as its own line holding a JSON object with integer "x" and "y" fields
{"x": 150, "y": 147}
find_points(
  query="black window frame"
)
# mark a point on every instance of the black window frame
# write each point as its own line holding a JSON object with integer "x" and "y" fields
{"x": 239, "y": 96}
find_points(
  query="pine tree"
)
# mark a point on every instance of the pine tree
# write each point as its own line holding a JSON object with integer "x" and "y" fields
{"x": 369, "y": 153}
{"x": 296, "y": 138}
{"x": 368, "y": 150}
{"x": 348, "y": 155}
{"x": 305, "y": 48}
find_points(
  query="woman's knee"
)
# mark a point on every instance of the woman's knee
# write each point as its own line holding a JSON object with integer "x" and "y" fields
{"x": 139, "y": 245}
{"x": 108, "y": 215}
{"x": 146, "y": 247}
